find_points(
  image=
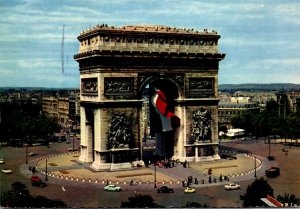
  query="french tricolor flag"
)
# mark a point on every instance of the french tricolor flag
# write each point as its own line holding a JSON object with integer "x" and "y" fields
{"x": 159, "y": 102}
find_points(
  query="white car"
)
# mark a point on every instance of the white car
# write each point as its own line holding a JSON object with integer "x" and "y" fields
{"x": 2, "y": 161}
{"x": 232, "y": 186}
{"x": 6, "y": 171}
{"x": 112, "y": 188}
{"x": 32, "y": 154}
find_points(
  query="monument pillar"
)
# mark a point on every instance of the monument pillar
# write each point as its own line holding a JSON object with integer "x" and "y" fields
{"x": 89, "y": 136}
{"x": 86, "y": 143}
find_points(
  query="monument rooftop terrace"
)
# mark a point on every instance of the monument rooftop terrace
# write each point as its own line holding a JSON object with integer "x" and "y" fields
{"x": 145, "y": 39}
{"x": 144, "y": 28}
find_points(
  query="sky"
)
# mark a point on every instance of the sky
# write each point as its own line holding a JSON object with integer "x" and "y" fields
{"x": 259, "y": 37}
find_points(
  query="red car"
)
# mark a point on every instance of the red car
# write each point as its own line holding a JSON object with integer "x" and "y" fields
{"x": 37, "y": 181}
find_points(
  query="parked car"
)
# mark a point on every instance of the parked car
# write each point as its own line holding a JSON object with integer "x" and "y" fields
{"x": 165, "y": 189}
{"x": 272, "y": 172}
{"x": 37, "y": 181}
{"x": 2, "y": 161}
{"x": 189, "y": 190}
{"x": 232, "y": 186}
{"x": 6, "y": 171}
{"x": 32, "y": 154}
{"x": 112, "y": 188}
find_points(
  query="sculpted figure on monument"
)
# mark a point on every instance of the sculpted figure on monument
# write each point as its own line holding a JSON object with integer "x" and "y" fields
{"x": 89, "y": 85}
{"x": 201, "y": 125}
{"x": 119, "y": 132}
{"x": 118, "y": 85}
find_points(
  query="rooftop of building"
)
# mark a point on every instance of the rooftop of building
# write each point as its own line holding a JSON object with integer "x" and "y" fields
{"x": 146, "y": 28}
{"x": 237, "y": 105}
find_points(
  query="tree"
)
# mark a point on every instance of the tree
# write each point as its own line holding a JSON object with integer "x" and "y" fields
{"x": 293, "y": 124}
{"x": 25, "y": 122}
{"x": 19, "y": 196}
{"x": 140, "y": 201}
{"x": 258, "y": 189}
{"x": 246, "y": 120}
{"x": 260, "y": 124}
{"x": 41, "y": 201}
{"x": 223, "y": 129}
{"x": 194, "y": 205}
{"x": 288, "y": 198}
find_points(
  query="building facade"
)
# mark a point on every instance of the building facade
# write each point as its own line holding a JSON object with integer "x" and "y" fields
{"x": 116, "y": 65}
{"x": 288, "y": 102}
{"x": 65, "y": 110}
{"x": 228, "y": 110}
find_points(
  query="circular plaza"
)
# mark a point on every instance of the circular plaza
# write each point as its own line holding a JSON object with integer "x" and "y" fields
{"x": 242, "y": 167}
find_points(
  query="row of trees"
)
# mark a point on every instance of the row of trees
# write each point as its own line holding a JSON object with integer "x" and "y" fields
{"x": 19, "y": 196}
{"x": 146, "y": 201}
{"x": 25, "y": 122}
{"x": 260, "y": 189}
{"x": 269, "y": 122}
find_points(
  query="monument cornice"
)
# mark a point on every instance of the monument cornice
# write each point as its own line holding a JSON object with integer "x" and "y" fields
{"x": 113, "y": 103}
{"x": 148, "y": 54}
{"x": 197, "y": 101}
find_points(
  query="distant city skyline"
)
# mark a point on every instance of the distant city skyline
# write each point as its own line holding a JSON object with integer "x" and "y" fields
{"x": 259, "y": 38}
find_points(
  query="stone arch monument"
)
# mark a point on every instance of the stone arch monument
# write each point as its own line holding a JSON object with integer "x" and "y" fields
{"x": 117, "y": 64}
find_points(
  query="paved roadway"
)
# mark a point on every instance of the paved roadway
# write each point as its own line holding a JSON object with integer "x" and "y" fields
{"x": 83, "y": 194}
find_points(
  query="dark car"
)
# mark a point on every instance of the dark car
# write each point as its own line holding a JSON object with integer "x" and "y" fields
{"x": 36, "y": 181}
{"x": 272, "y": 172}
{"x": 165, "y": 189}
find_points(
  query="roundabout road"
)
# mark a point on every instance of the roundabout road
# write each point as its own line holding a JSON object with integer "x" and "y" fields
{"x": 84, "y": 194}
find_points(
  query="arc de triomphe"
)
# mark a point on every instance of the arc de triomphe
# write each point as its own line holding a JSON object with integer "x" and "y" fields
{"x": 117, "y": 65}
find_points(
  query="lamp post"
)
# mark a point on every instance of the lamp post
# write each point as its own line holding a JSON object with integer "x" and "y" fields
{"x": 269, "y": 147}
{"x": 255, "y": 167}
{"x": 46, "y": 178}
{"x": 26, "y": 156}
{"x": 155, "y": 175}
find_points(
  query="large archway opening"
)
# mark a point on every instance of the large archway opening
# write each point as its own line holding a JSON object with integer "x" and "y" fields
{"x": 159, "y": 117}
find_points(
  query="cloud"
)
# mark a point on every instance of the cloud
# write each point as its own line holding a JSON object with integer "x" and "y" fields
{"x": 258, "y": 37}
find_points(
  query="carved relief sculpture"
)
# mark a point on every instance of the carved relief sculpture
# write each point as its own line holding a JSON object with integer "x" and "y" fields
{"x": 201, "y": 87}
{"x": 118, "y": 86}
{"x": 201, "y": 125}
{"x": 120, "y": 134}
{"x": 89, "y": 86}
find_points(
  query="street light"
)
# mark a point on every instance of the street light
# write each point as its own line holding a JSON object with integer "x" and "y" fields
{"x": 255, "y": 167}
{"x": 155, "y": 175}
{"x": 269, "y": 147}
{"x": 46, "y": 178}
{"x": 73, "y": 143}
{"x": 26, "y": 157}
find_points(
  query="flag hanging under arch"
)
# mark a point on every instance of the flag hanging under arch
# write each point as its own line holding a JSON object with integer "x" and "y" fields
{"x": 159, "y": 102}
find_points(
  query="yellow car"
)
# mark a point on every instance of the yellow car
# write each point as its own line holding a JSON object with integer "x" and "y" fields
{"x": 189, "y": 190}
